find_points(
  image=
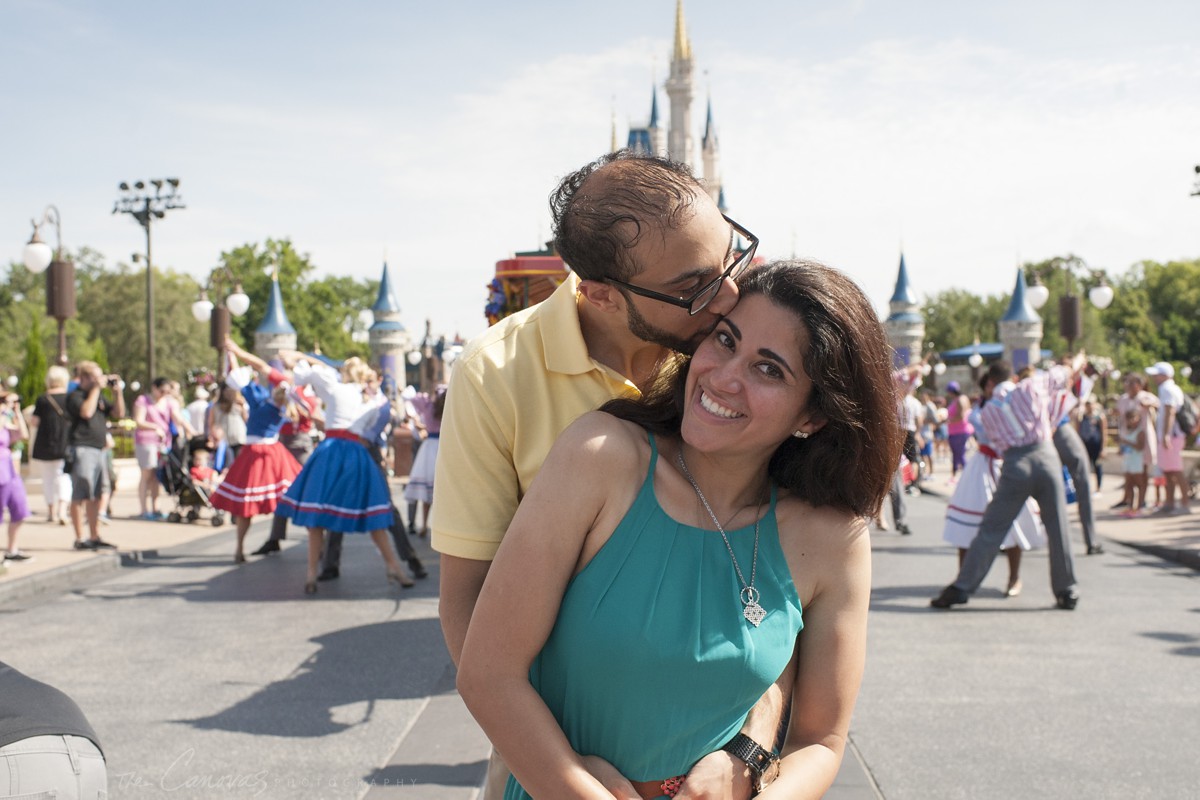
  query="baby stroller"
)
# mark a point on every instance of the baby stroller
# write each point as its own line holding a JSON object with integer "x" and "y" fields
{"x": 175, "y": 476}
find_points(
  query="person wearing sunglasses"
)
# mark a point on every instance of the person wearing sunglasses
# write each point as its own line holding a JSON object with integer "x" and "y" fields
{"x": 653, "y": 262}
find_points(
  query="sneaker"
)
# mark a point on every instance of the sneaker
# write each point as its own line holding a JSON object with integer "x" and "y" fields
{"x": 105, "y": 519}
{"x": 100, "y": 544}
{"x": 84, "y": 544}
{"x": 329, "y": 574}
{"x": 17, "y": 556}
{"x": 1130, "y": 514}
{"x": 903, "y": 529}
{"x": 146, "y": 516}
{"x": 1180, "y": 511}
{"x": 157, "y": 516}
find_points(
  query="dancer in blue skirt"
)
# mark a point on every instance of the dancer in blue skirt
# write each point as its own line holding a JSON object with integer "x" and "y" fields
{"x": 340, "y": 487}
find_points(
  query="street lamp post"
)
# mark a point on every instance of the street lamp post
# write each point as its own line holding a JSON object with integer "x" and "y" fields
{"x": 1070, "y": 311}
{"x": 137, "y": 202}
{"x": 235, "y": 303}
{"x": 60, "y": 279}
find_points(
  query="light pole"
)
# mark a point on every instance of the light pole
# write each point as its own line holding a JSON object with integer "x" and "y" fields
{"x": 1070, "y": 311}
{"x": 235, "y": 303}
{"x": 137, "y": 202}
{"x": 60, "y": 280}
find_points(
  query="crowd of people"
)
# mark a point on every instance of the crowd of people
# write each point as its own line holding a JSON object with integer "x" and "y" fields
{"x": 238, "y": 451}
{"x": 1048, "y": 432}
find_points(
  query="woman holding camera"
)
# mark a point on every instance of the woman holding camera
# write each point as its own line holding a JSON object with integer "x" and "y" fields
{"x": 12, "y": 488}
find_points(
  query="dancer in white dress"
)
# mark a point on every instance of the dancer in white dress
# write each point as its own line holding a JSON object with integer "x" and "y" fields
{"x": 976, "y": 485}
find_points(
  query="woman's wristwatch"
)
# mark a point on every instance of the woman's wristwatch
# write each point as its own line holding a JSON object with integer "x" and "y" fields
{"x": 763, "y": 764}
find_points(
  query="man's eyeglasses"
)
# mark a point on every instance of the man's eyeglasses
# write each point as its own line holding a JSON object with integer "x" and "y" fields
{"x": 705, "y": 294}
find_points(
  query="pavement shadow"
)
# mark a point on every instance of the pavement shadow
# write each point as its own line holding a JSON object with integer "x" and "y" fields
{"x": 899, "y": 600}
{"x": 338, "y": 687}
{"x": 1190, "y": 643}
{"x": 266, "y": 579}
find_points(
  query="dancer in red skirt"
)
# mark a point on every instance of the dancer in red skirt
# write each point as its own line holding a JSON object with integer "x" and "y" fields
{"x": 263, "y": 469}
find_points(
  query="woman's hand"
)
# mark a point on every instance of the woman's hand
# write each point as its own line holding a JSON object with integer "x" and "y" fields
{"x": 616, "y": 783}
{"x": 717, "y": 776}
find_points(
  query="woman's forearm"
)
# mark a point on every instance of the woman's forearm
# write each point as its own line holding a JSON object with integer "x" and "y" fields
{"x": 519, "y": 724}
{"x": 805, "y": 773}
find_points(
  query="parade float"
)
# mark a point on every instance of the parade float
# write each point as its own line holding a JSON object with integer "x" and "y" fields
{"x": 522, "y": 281}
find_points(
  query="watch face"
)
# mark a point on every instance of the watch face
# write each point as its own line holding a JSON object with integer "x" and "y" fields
{"x": 770, "y": 773}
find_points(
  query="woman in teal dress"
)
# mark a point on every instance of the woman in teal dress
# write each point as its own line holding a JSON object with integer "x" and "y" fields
{"x": 656, "y": 578}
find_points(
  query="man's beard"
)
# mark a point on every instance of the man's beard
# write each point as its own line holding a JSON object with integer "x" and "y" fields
{"x": 648, "y": 333}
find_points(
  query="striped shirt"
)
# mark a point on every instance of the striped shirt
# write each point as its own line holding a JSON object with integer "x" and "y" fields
{"x": 1028, "y": 412}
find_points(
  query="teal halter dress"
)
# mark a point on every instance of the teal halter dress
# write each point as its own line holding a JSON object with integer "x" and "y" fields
{"x": 651, "y": 664}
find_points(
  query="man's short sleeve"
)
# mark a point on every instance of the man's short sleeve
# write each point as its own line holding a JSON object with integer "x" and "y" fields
{"x": 74, "y": 404}
{"x": 476, "y": 487}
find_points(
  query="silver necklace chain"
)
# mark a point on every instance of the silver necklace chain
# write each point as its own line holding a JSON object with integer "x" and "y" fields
{"x": 749, "y": 596}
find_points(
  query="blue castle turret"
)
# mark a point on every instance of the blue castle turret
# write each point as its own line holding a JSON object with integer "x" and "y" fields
{"x": 388, "y": 338}
{"x": 275, "y": 333}
{"x": 905, "y": 325}
{"x": 1021, "y": 328}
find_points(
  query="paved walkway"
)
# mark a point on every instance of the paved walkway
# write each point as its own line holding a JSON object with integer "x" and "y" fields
{"x": 56, "y": 566}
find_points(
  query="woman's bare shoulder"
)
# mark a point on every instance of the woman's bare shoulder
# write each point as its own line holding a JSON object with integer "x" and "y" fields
{"x": 803, "y": 521}
{"x": 603, "y": 435}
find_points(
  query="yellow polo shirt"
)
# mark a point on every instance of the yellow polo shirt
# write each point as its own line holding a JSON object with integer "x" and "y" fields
{"x": 512, "y": 392}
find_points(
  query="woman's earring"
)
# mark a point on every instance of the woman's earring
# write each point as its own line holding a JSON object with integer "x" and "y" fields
{"x": 801, "y": 434}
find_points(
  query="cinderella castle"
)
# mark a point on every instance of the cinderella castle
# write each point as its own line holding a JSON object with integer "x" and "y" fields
{"x": 676, "y": 141}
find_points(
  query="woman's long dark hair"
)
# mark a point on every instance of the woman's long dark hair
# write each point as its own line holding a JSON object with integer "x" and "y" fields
{"x": 849, "y": 463}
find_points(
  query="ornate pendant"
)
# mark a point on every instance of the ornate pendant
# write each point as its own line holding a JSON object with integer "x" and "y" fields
{"x": 754, "y": 613}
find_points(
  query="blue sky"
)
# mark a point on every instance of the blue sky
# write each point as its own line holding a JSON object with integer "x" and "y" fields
{"x": 969, "y": 134}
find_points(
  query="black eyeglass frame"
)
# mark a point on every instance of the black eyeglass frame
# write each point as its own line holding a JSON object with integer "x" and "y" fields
{"x": 712, "y": 288}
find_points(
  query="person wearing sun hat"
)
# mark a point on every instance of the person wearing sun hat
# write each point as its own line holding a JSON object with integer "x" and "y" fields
{"x": 1171, "y": 437}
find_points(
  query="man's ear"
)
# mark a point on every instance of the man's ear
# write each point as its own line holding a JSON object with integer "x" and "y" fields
{"x": 604, "y": 296}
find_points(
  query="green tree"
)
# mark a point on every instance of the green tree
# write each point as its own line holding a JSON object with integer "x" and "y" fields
{"x": 324, "y": 311}
{"x": 113, "y": 305}
{"x": 954, "y": 317}
{"x": 33, "y": 372}
{"x": 1155, "y": 315}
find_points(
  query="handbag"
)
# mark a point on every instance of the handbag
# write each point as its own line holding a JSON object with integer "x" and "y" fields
{"x": 69, "y": 461}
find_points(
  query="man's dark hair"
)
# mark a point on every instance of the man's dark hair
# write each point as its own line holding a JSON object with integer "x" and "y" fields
{"x": 848, "y": 463}
{"x": 999, "y": 372}
{"x": 603, "y": 209}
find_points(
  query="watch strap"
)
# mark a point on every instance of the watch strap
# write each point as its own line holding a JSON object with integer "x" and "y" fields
{"x": 756, "y": 757}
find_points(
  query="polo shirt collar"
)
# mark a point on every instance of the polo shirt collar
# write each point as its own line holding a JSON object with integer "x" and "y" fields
{"x": 562, "y": 336}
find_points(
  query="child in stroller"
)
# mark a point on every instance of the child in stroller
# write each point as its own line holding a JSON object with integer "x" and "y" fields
{"x": 184, "y": 475}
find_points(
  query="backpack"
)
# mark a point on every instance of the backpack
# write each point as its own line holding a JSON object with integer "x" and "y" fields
{"x": 1187, "y": 416}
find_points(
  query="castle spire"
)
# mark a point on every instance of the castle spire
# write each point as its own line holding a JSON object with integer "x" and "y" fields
{"x": 905, "y": 326}
{"x": 904, "y": 292}
{"x": 1019, "y": 309}
{"x": 275, "y": 321}
{"x": 385, "y": 301}
{"x": 679, "y": 92}
{"x": 683, "y": 48}
{"x": 1021, "y": 328}
{"x": 275, "y": 333}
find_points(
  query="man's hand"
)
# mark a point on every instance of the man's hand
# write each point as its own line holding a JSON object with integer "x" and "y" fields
{"x": 717, "y": 776}
{"x": 616, "y": 783}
